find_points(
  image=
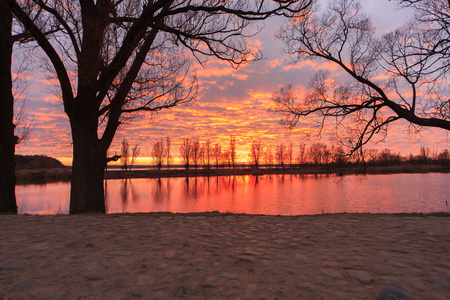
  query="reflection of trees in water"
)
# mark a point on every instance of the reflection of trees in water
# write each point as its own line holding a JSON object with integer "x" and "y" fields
{"x": 134, "y": 193}
{"x": 127, "y": 192}
{"x": 124, "y": 194}
{"x": 186, "y": 186}
{"x": 228, "y": 182}
{"x": 159, "y": 194}
{"x": 106, "y": 195}
{"x": 217, "y": 184}
{"x": 208, "y": 181}
{"x": 161, "y": 190}
{"x": 194, "y": 187}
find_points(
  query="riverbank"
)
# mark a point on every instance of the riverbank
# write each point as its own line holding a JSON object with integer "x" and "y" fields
{"x": 64, "y": 174}
{"x": 221, "y": 256}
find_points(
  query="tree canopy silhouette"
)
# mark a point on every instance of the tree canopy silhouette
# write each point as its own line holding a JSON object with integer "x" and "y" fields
{"x": 401, "y": 75}
{"x": 118, "y": 57}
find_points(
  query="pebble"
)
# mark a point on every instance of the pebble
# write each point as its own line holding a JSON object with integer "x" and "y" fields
{"x": 351, "y": 256}
{"x": 362, "y": 276}
{"x": 392, "y": 291}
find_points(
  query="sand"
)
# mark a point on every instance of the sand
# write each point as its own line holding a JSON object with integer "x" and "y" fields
{"x": 148, "y": 256}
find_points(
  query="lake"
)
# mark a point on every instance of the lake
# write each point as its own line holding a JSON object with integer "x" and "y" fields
{"x": 268, "y": 194}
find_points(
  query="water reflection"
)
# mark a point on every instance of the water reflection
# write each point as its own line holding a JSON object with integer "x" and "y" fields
{"x": 268, "y": 194}
{"x": 49, "y": 198}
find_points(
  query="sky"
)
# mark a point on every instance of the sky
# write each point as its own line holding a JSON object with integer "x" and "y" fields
{"x": 230, "y": 103}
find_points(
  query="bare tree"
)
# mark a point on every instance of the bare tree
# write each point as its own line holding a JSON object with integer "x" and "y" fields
{"x": 256, "y": 152}
{"x": 302, "y": 154}
{"x": 424, "y": 154}
{"x": 119, "y": 57}
{"x": 290, "y": 154}
{"x": 125, "y": 155}
{"x": 135, "y": 151}
{"x": 217, "y": 154}
{"x": 159, "y": 151}
{"x": 372, "y": 154}
{"x": 337, "y": 155}
{"x": 386, "y": 157}
{"x": 414, "y": 57}
{"x": 326, "y": 157}
{"x": 232, "y": 151}
{"x": 168, "y": 155}
{"x": 444, "y": 157}
{"x": 281, "y": 154}
{"x": 7, "y": 138}
{"x": 226, "y": 158}
{"x": 196, "y": 152}
{"x": 207, "y": 154}
{"x": 316, "y": 153}
{"x": 268, "y": 157}
{"x": 185, "y": 152}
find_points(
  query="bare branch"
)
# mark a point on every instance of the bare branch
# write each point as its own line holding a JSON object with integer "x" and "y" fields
{"x": 345, "y": 37}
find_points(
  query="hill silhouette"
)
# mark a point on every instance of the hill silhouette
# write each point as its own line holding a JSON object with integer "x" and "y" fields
{"x": 34, "y": 162}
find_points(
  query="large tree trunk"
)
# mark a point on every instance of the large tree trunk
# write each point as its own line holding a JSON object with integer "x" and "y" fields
{"x": 7, "y": 138}
{"x": 88, "y": 167}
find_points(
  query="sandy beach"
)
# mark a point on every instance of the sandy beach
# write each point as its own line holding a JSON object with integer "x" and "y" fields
{"x": 214, "y": 256}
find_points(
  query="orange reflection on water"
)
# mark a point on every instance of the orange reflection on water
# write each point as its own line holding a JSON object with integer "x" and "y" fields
{"x": 276, "y": 194}
{"x": 50, "y": 198}
{"x": 269, "y": 194}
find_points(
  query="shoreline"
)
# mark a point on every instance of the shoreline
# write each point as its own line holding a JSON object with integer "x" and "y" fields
{"x": 64, "y": 174}
{"x": 225, "y": 256}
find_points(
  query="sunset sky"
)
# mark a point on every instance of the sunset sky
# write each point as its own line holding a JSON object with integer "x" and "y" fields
{"x": 230, "y": 102}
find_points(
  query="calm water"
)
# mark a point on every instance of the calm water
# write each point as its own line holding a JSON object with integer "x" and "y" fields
{"x": 274, "y": 195}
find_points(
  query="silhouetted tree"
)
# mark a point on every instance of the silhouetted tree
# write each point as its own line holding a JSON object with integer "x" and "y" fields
{"x": 7, "y": 138}
{"x": 268, "y": 157}
{"x": 125, "y": 155}
{"x": 302, "y": 155}
{"x": 444, "y": 157}
{"x": 196, "y": 152}
{"x": 281, "y": 154}
{"x": 226, "y": 158}
{"x": 316, "y": 152}
{"x": 135, "y": 151}
{"x": 290, "y": 155}
{"x": 118, "y": 57}
{"x": 386, "y": 157}
{"x": 185, "y": 152}
{"x": 326, "y": 157}
{"x": 217, "y": 154}
{"x": 372, "y": 154}
{"x": 232, "y": 151}
{"x": 414, "y": 57}
{"x": 168, "y": 155}
{"x": 207, "y": 154}
{"x": 424, "y": 155}
{"x": 159, "y": 151}
{"x": 256, "y": 152}
{"x": 338, "y": 156}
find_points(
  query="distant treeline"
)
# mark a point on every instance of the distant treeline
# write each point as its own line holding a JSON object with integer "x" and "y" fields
{"x": 34, "y": 162}
{"x": 197, "y": 154}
